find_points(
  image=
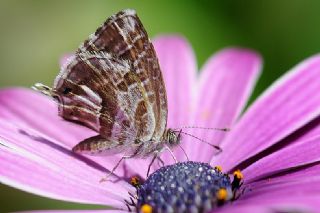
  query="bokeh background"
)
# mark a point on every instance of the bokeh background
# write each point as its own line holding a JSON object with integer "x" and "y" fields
{"x": 34, "y": 34}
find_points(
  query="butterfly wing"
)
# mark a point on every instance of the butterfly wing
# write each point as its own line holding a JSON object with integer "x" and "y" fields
{"x": 124, "y": 36}
{"x": 103, "y": 93}
{"x": 121, "y": 95}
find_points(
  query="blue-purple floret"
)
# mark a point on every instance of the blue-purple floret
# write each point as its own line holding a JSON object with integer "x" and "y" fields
{"x": 183, "y": 187}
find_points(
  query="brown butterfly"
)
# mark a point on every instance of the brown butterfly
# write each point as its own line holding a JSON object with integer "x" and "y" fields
{"x": 114, "y": 85}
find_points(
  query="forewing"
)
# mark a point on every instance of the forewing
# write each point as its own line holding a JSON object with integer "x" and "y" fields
{"x": 101, "y": 92}
{"x": 124, "y": 36}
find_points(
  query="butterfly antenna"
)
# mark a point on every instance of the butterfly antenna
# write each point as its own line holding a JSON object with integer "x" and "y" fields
{"x": 207, "y": 128}
{"x": 203, "y": 141}
{"x": 44, "y": 89}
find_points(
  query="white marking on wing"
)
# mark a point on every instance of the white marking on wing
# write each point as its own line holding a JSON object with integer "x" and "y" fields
{"x": 91, "y": 94}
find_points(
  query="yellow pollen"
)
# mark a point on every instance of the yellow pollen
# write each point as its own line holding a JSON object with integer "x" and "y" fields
{"x": 222, "y": 194}
{"x": 237, "y": 174}
{"x": 219, "y": 168}
{"x": 135, "y": 181}
{"x": 146, "y": 208}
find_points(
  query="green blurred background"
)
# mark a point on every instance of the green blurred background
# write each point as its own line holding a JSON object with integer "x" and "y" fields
{"x": 34, "y": 34}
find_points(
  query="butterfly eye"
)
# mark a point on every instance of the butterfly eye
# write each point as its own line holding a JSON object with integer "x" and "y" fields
{"x": 67, "y": 90}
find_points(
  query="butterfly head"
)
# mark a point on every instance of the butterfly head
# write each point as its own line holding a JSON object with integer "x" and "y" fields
{"x": 172, "y": 137}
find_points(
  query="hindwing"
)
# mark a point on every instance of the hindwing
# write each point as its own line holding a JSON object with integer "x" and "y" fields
{"x": 103, "y": 93}
{"x": 114, "y": 85}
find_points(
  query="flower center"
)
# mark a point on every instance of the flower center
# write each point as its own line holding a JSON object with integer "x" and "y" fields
{"x": 184, "y": 187}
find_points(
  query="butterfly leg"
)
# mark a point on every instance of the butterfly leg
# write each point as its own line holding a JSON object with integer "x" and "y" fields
{"x": 160, "y": 161}
{"x": 171, "y": 153}
{"x": 150, "y": 164}
{"x": 184, "y": 152}
{"x": 121, "y": 159}
{"x": 114, "y": 168}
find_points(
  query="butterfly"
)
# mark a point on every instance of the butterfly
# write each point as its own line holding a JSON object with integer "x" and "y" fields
{"x": 113, "y": 85}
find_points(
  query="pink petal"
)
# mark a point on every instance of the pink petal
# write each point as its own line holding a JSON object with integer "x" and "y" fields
{"x": 296, "y": 189}
{"x": 51, "y": 163}
{"x": 35, "y": 175}
{"x": 288, "y": 105}
{"x": 28, "y": 109}
{"x": 247, "y": 208}
{"x": 225, "y": 85}
{"x": 298, "y": 174}
{"x": 298, "y": 154}
{"x": 300, "y": 193}
{"x": 277, "y": 204}
{"x": 76, "y": 211}
{"x": 31, "y": 109}
{"x": 284, "y": 188}
{"x": 178, "y": 66}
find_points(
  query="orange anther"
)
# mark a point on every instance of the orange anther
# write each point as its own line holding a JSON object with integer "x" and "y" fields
{"x": 219, "y": 168}
{"x": 222, "y": 194}
{"x": 135, "y": 181}
{"x": 146, "y": 208}
{"x": 237, "y": 174}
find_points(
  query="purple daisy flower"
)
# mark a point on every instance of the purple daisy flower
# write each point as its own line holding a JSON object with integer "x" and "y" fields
{"x": 275, "y": 142}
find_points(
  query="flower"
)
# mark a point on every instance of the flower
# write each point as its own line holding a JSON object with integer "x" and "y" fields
{"x": 275, "y": 142}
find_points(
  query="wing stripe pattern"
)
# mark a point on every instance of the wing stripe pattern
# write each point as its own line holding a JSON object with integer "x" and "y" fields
{"x": 114, "y": 85}
{"x": 124, "y": 36}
